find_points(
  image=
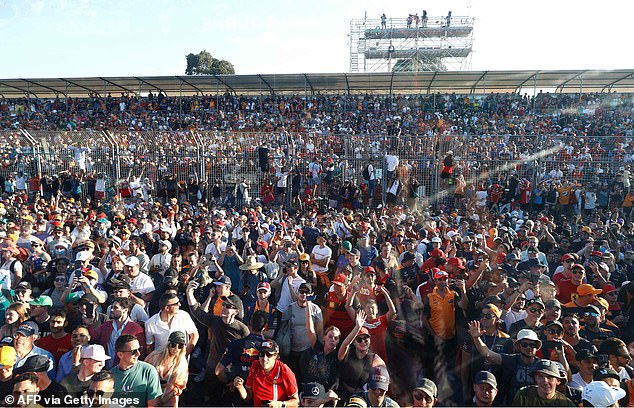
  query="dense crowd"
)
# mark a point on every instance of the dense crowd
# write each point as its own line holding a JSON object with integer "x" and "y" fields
{"x": 336, "y": 286}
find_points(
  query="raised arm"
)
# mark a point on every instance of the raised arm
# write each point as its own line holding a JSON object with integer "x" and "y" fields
{"x": 476, "y": 332}
{"x": 345, "y": 346}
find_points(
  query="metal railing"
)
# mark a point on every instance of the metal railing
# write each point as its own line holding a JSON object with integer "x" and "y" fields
{"x": 228, "y": 158}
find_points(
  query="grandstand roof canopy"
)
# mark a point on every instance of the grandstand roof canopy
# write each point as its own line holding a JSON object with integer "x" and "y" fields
{"x": 460, "y": 82}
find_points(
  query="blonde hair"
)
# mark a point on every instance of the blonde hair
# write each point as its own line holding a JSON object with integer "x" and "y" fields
{"x": 22, "y": 310}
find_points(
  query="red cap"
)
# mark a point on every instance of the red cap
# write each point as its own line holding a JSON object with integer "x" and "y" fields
{"x": 264, "y": 285}
{"x": 340, "y": 279}
{"x": 500, "y": 257}
{"x": 263, "y": 244}
{"x": 438, "y": 274}
{"x": 369, "y": 269}
{"x": 566, "y": 257}
{"x": 597, "y": 253}
{"x": 363, "y": 332}
{"x": 132, "y": 220}
{"x": 456, "y": 261}
{"x": 579, "y": 266}
{"x": 609, "y": 288}
{"x": 438, "y": 252}
{"x": 543, "y": 219}
{"x": 220, "y": 223}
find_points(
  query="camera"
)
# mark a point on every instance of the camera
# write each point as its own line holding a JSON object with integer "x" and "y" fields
{"x": 602, "y": 360}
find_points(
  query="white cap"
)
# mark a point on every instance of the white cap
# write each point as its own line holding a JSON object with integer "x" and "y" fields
{"x": 287, "y": 238}
{"x": 451, "y": 234}
{"x": 436, "y": 239}
{"x": 82, "y": 256}
{"x": 132, "y": 261}
{"x": 94, "y": 352}
{"x": 600, "y": 394}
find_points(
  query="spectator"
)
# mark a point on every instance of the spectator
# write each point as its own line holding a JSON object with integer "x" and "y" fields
{"x": 378, "y": 385}
{"x": 25, "y": 388}
{"x": 425, "y": 393}
{"x": 101, "y": 388}
{"x": 8, "y": 358}
{"x": 93, "y": 359}
{"x": 599, "y": 394}
{"x": 169, "y": 319}
{"x": 171, "y": 365}
{"x": 134, "y": 377}
{"x": 24, "y": 343}
{"x": 40, "y": 366}
{"x": 485, "y": 388}
{"x": 58, "y": 341}
{"x": 71, "y": 359}
{"x": 270, "y": 382}
{"x": 547, "y": 377}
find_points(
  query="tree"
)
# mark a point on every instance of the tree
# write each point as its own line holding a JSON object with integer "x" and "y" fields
{"x": 204, "y": 63}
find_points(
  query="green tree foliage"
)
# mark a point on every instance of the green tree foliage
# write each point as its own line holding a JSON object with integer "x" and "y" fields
{"x": 204, "y": 63}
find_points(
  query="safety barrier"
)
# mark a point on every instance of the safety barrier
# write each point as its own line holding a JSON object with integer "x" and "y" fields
{"x": 224, "y": 159}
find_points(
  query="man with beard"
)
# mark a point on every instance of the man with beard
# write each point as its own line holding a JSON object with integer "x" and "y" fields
{"x": 58, "y": 342}
{"x": 108, "y": 333}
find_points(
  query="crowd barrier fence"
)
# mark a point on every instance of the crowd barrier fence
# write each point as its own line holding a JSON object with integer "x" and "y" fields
{"x": 230, "y": 157}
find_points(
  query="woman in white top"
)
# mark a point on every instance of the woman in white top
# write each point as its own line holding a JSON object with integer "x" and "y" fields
{"x": 11, "y": 269}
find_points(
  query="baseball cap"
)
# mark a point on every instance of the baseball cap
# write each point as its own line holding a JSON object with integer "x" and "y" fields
{"x": 347, "y": 246}
{"x": 457, "y": 262}
{"x": 528, "y": 334}
{"x": 428, "y": 387}
{"x": 587, "y": 289}
{"x": 270, "y": 346}
{"x": 437, "y": 252}
{"x": 34, "y": 364}
{"x": 512, "y": 257}
{"x": 550, "y": 303}
{"x": 42, "y": 300}
{"x": 24, "y": 285}
{"x": 608, "y": 288}
{"x": 264, "y": 286}
{"x": 566, "y": 257}
{"x": 439, "y": 274}
{"x": 554, "y": 323}
{"x": 82, "y": 256}
{"x": 121, "y": 282}
{"x": 177, "y": 337}
{"x": 223, "y": 280}
{"x": 585, "y": 354}
{"x": 28, "y": 328}
{"x": 436, "y": 239}
{"x": 304, "y": 257}
{"x": 485, "y": 377}
{"x": 313, "y": 390}
{"x": 408, "y": 256}
{"x": 94, "y": 352}
{"x": 8, "y": 356}
{"x": 605, "y": 372}
{"x": 340, "y": 279}
{"x": 231, "y": 301}
{"x": 132, "y": 261}
{"x": 369, "y": 269}
{"x": 363, "y": 332}
{"x": 600, "y": 394}
{"x": 91, "y": 274}
{"x": 547, "y": 367}
{"x": 305, "y": 286}
{"x": 592, "y": 309}
{"x": 379, "y": 378}
{"x": 535, "y": 301}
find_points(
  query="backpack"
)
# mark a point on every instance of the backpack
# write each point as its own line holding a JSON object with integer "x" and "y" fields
{"x": 366, "y": 173}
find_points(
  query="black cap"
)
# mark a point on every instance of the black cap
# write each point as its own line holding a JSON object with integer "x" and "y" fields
{"x": 535, "y": 301}
{"x": 306, "y": 286}
{"x": 269, "y": 346}
{"x": 603, "y": 373}
{"x": 585, "y": 354}
{"x": 313, "y": 390}
{"x": 34, "y": 364}
{"x": 229, "y": 300}
{"x": 177, "y": 337}
{"x": 24, "y": 285}
{"x": 485, "y": 377}
{"x": 223, "y": 280}
{"x": 292, "y": 261}
{"x": 89, "y": 298}
{"x": 408, "y": 256}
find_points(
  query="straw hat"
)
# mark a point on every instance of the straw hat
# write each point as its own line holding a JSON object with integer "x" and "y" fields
{"x": 251, "y": 264}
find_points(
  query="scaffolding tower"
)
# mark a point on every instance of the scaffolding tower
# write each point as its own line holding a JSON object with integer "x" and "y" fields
{"x": 411, "y": 44}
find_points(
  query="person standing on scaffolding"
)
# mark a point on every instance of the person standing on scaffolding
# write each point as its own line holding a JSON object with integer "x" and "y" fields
{"x": 383, "y": 21}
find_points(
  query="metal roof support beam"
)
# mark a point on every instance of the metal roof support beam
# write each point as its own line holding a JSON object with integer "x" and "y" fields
{"x": 431, "y": 82}
{"x": 44, "y": 86}
{"x": 267, "y": 84}
{"x": 611, "y": 84}
{"x": 153, "y": 86}
{"x": 117, "y": 85}
{"x": 392, "y": 83}
{"x": 14, "y": 87}
{"x": 190, "y": 84}
{"x": 78, "y": 85}
{"x": 312, "y": 90}
{"x": 475, "y": 84}
{"x": 534, "y": 76}
{"x": 224, "y": 83}
{"x": 561, "y": 86}
{"x": 347, "y": 83}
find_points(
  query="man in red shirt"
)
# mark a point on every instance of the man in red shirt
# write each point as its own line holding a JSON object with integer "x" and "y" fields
{"x": 377, "y": 325}
{"x": 334, "y": 310}
{"x": 270, "y": 383}
{"x": 58, "y": 342}
{"x": 567, "y": 287}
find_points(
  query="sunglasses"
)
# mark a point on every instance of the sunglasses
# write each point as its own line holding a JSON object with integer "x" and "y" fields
{"x": 228, "y": 305}
{"x": 555, "y": 331}
{"x": 536, "y": 310}
{"x": 98, "y": 393}
{"x": 267, "y": 354}
{"x": 303, "y": 262}
{"x": 569, "y": 261}
{"x": 528, "y": 344}
{"x": 174, "y": 304}
{"x": 133, "y": 352}
{"x": 486, "y": 316}
{"x": 304, "y": 292}
{"x": 577, "y": 272}
{"x": 593, "y": 314}
{"x": 362, "y": 339}
{"x": 419, "y": 395}
{"x": 177, "y": 345}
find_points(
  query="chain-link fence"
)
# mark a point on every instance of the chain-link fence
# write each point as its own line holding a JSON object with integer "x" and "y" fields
{"x": 168, "y": 160}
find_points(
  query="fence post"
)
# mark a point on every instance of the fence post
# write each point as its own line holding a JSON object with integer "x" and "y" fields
{"x": 35, "y": 151}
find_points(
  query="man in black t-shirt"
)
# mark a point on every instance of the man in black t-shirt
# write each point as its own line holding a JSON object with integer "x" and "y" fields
{"x": 49, "y": 390}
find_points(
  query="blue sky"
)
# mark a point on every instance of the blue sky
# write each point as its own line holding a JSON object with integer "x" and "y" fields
{"x": 74, "y": 38}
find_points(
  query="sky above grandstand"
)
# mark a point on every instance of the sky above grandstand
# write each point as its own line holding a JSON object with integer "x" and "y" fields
{"x": 75, "y": 38}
